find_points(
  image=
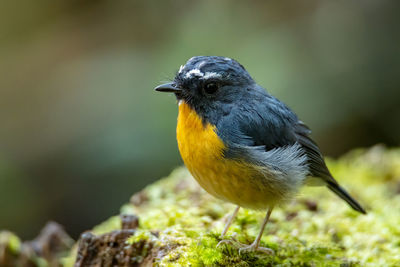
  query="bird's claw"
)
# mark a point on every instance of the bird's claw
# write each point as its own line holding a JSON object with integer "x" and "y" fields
{"x": 243, "y": 248}
{"x": 225, "y": 242}
{"x": 254, "y": 248}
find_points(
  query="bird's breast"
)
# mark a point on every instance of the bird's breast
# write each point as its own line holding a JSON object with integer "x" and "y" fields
{"x": 203, "y": 154}
{"x": 198, "y": 142}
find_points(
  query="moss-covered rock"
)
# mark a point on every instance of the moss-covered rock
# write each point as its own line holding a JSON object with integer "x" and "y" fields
{"x": 179, "y": 223}
{"x": 47, "y": 249}
{"x": 176, "y": 223}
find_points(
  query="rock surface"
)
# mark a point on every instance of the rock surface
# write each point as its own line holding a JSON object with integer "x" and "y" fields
{"x": 173, "y": 222}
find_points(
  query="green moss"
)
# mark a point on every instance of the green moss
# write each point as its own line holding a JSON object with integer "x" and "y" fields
{"x": 183, "y": 222}
{"x": 11, "y": 251}
{"x": 70, "y": 259}
{"x": 113, "y": 223}
{"x": 10, "y": 241}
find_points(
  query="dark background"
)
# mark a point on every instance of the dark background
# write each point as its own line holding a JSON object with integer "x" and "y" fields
{"x": 82, "y": 129}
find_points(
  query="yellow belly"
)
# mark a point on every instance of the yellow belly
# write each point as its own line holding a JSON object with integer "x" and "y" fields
{"x": 202, "y": 152}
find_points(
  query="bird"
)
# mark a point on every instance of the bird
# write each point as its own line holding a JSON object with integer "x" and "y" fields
{"x": 242, "y": 144}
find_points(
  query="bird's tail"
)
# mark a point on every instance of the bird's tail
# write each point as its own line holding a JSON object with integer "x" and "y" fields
{"x": 342, "y": 193}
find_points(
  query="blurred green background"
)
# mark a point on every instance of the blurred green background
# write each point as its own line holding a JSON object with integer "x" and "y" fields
{"x": 82, "y": 129}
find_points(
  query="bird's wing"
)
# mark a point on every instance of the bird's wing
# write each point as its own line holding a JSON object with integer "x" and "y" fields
{"x": 270, "y": 133}
{"x": 276, "y": 134}
{"x": 272, "y": 125}
{"x": 316, "y": 162}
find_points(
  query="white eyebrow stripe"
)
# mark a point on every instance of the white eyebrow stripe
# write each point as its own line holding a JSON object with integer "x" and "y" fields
{"x": 202, "y": 64}
{"x": 194, "y": 72}
{"x": 180, "y": 69}
{"x": 209, "y": 75}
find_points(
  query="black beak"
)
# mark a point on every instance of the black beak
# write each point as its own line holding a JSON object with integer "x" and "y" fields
{"x": 168, "y": 87}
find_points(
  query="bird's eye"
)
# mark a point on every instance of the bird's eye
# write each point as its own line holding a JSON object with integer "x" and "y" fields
{"x": 210, "y": 88}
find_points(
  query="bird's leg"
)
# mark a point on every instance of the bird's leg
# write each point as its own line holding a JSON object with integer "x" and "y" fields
{"x": 228, "y": 224}
{"x": 255, "y": 246}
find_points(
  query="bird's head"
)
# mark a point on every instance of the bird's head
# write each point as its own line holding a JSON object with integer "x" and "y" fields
{"x": 207, "y": 82}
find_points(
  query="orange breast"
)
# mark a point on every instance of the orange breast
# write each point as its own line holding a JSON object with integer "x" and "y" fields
{"x": 200, "y": 147}
{"x": 202, "y": 152}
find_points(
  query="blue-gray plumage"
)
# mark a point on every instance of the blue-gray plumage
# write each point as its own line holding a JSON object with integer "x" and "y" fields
{"x": 255, "y": 127}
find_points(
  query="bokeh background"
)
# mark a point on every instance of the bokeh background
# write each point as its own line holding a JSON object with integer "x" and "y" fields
{"x": 82, "y": 129}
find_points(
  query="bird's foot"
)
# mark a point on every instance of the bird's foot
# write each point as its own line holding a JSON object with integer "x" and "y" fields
{"x": 226, "y": 242}
{"x": 243, "y": 248}
{"x": 253, "y": 248}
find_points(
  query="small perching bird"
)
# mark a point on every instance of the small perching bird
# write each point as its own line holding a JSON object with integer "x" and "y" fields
{"x": 240, "y": 143}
